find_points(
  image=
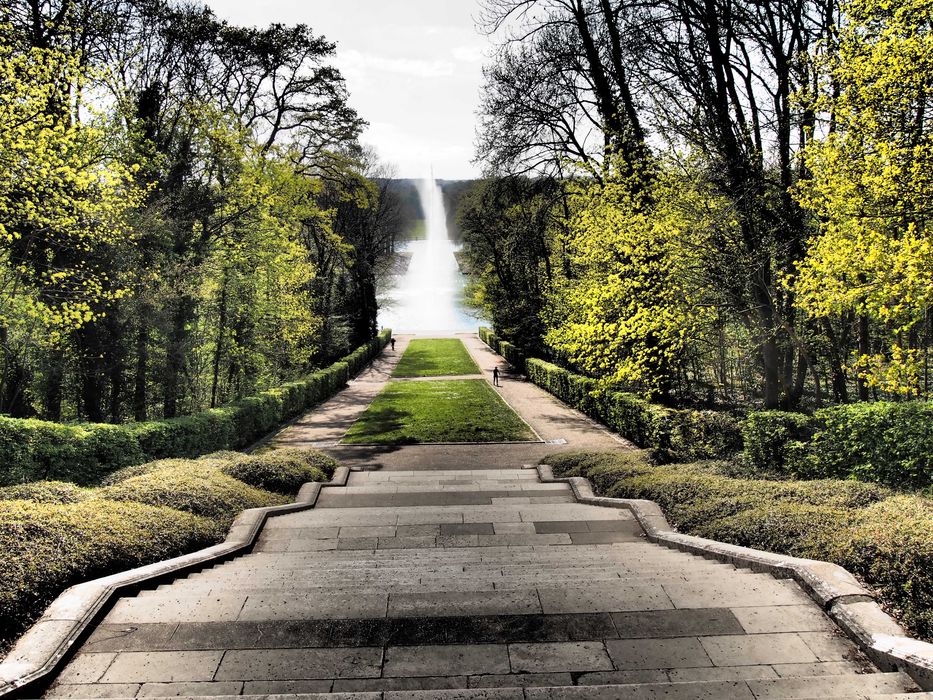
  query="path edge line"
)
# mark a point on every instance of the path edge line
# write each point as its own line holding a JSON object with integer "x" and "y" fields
{"x": 47, "y": 645}
{"x": 850, "y": 605}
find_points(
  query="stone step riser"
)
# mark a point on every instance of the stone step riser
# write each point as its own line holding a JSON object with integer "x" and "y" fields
{"x": 411, "y": 585}
{"x": 879, "y": 686}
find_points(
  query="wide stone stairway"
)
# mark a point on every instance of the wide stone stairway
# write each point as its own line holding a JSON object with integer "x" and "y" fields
{"x": 469, "y": 584}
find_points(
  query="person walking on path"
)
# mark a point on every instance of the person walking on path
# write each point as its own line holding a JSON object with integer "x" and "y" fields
{"x": 495, "y": 376}
{"x": 392, "y": 343}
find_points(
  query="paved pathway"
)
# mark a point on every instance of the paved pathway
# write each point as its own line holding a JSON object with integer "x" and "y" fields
{"x": 469, "y": 582}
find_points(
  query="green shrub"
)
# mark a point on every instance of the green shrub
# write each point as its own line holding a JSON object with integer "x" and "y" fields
{"x": 44, "y": 548}
{"x": 891, "y": 443}
{"x": 884, "y": 538}
{"x": 197, "y": 487}
{"x": 34, "y": 450}
{"x": 489, "y": 337}
{"x": 282, "y": 471}
{"x": 775, "y": 440}
{"x": 891, "y": 547}
{"x": 512, "y": 355}
{"x": 45, "y": 492}
{"x": 704, "y": 435}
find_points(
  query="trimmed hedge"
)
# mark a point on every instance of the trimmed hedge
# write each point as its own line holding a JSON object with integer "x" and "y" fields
{"x": 53, "y": 535}
{"x": 46, "y": 547}
{"x": 889, "y": 443}
{"x": 488, "y": 336}
{"x": 886, "y": 442}
{"x": 33, "y": 450}
{"x": 884, "y": 538}
{"x": 776, "y": 440}
{"x": 670, "y": 433}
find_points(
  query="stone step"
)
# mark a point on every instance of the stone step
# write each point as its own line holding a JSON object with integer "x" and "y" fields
{"x": 455, "y": 568}
{"x": 448, "y": 474}
{"x": 568, "y": 555}
{"x": 876, "y": 686}
{"x": 471, "y": 570}
{"x": 431, "y": 585}
{"x": 470, "y": 487}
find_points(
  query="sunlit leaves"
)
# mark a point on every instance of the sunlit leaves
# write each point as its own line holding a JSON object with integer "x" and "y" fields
{"x": 634, "y": 306}
{"x": 63, "y": 195}
{"x": 872, "y": 183}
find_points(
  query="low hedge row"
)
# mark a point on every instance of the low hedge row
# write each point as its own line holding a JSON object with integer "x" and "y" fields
{"x": 881, "y": 536}
{"x": 673, "y": 435}
{"x": 53, "y": 534}
{"x": 33, "y": 450}
{"x": 512, "y": 354}
{"x": 887, "y": 442}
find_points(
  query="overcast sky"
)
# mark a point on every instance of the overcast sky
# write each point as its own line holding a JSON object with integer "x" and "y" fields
{"x": 413, "y": 69}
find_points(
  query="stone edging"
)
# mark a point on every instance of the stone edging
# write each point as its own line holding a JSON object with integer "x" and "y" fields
{"x": 845, "y": 600}
{"x": 46, "y": 645}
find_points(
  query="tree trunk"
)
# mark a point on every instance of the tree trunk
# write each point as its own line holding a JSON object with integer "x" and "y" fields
{"x": 92, "y": 372}
{"x": 219, "y": 344}
{"x": 141, "y": 381}
{"x": 54, "y": 379}
{"x": 864, "y": 348}
{"x": 175, "y": 355}
{"x": 116, "y": 364}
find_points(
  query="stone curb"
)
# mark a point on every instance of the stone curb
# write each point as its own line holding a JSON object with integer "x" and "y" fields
{"x": 845, "y": 600}
{"x": 46, "y": 645}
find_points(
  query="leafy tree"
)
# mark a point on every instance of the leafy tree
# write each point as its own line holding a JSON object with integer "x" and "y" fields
{"x": 64, "y": 201}
{"x": 509, "y": 231}
{"x": 871, "y": 184}
{"x": 636, "y": 306}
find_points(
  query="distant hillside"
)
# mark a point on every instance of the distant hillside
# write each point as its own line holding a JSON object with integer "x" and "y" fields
{"x": 453, "y": 191}
{"x": 412, "y": 215}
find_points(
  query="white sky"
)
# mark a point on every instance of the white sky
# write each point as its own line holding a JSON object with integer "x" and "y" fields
{"x": 413, "y": 69}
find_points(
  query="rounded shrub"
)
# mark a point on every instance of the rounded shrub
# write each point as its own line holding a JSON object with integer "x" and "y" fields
{"x": 797, "y": 529}
{"x": 45, "y": 492}
{"x": 197, "y": 487}
{"x": 282, "y": 471}
{"x": 46, "y": 547}
{"x": 890, "y": 546}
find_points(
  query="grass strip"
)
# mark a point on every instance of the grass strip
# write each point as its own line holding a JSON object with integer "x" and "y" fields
{"x": 451, "y": 410}
{"x": 435, "y": 357}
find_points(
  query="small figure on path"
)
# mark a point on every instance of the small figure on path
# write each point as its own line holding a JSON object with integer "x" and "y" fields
{"x": 392, "y": 343}
{"x": 495, "y": 376}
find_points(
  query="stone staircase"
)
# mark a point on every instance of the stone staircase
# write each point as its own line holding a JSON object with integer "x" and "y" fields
{"x": 469, "y": 584}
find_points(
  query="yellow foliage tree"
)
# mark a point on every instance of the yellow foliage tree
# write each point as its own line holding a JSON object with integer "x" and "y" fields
{"x": 635, "y": 304}
{"x": 63, "y": 194}
{"x": 871, "y": 183}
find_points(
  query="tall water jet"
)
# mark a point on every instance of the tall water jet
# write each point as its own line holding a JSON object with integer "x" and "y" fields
{"x": 429, "y": 296}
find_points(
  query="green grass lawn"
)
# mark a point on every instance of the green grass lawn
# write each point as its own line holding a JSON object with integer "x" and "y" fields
{"x": 446, "y": 410}
{"x": 434, "y": 358}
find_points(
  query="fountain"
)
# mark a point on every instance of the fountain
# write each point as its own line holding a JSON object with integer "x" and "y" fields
{"x": 428, "y": 298}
